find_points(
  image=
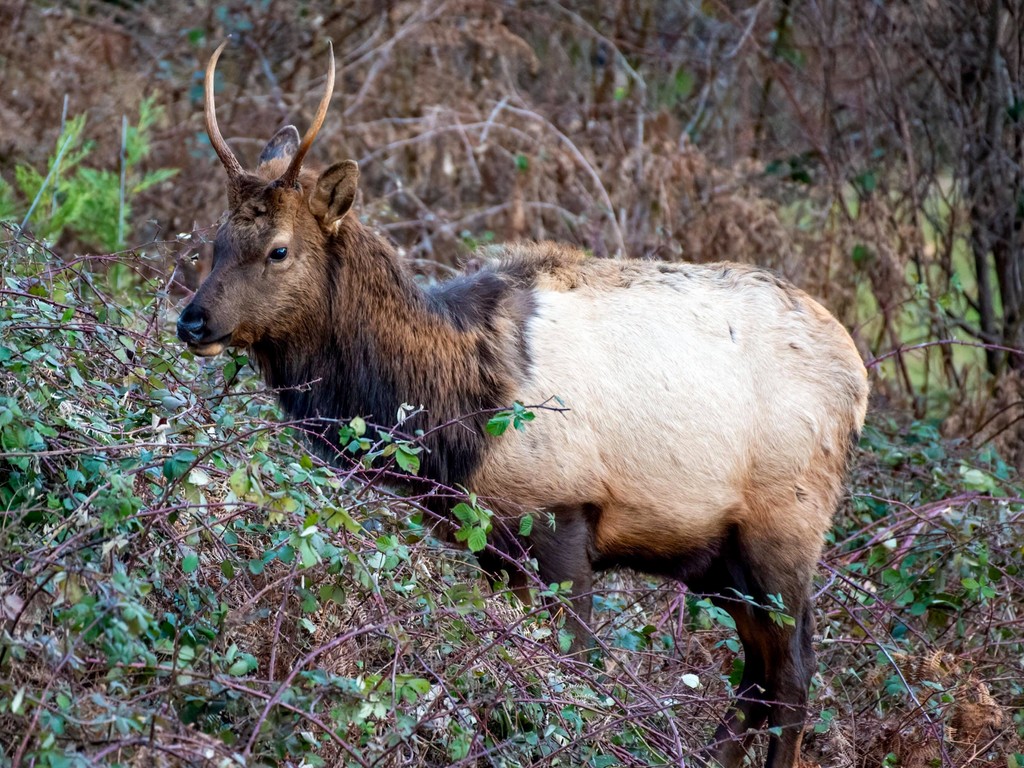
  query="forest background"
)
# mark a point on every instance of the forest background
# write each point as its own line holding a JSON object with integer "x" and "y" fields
{"x": 182, "y": 584}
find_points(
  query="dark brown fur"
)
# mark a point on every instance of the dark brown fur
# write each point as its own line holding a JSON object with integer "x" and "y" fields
{"x": 375, "y": 340}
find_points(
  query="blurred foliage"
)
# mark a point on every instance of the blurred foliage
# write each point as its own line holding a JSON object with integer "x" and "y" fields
{"x": 93, "y": 204}
{"x": 870, "y": 152}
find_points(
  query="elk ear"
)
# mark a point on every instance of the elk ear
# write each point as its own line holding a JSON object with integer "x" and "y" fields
{"x": 335, "y": 192}
{"x": 282, "y": 146}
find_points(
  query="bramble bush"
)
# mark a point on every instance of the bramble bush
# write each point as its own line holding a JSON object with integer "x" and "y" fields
{"x": 184, "y": 583}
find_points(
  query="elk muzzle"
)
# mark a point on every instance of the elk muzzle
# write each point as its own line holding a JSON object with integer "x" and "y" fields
{"x": 194, "y": 330}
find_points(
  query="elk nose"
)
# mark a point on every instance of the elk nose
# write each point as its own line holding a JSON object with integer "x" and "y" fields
{"x": 192, "y": 325}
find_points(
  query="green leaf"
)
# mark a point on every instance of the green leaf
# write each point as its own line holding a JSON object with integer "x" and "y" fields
{"x": 465, "y": 513}
{"x": 239, "y": 482}
{"x": 307, "y": 554}
{"x": 525, "y": 526}
{"x": 190, "y": 563}
{"x": 827, "y": 716}
{"x": 477, "y": 540}
{"x": 239, "y": 668}
{"x": 407, "y": 458}
{"x": 17, "y": 701}
{"x": 419, "y": 684}
{"x": 866, "y": 182}
{"x": 976, "y": 480}
{"x": 154, "y": 177}
{"x": 283, "y": 505}
{"x": 498, "y": 424}
{"x": 74, "y": 478}
{"x": 565, "y": 638}
{"x": 684, "y": 83}
{"x": 178, "y": 464}
{"x": 198, "y": 476}
{"x": 861, "y": 254}
{"x": 340, "y": 518}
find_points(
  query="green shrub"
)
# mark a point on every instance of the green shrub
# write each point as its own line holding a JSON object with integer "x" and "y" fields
{"x": 92, "y": 204}
{"x": 182, "y": 579}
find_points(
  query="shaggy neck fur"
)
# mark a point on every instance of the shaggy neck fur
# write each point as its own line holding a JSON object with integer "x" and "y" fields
{"x": 379, "y": 341}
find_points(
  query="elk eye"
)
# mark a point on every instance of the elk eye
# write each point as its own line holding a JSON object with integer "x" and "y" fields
{"x": 277, "y": 254}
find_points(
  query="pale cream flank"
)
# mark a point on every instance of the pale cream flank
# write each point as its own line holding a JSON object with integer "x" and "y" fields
{"x": 699, "y": 397}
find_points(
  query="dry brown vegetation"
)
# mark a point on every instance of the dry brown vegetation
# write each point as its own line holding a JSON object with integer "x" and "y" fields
{"x": 849, "y": 146}
{"x": 870, "y": 152}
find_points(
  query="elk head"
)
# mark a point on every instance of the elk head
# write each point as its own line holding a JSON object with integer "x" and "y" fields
{"x": 271, "y": 249}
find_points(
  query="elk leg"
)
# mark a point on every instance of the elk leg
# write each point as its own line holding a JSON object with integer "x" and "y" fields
{"x": 788, "y": 683}
{"x": 732, "y": 738}
{"x": 778, "y": 657}
{"x": 563, "y": 554}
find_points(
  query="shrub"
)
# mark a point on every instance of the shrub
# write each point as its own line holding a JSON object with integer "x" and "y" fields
{"x": 93, "y": 204}
{"x": 184, "y": 584}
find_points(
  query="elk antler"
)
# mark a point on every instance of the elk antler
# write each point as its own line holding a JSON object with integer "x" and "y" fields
{"x": 292, "y": 174}
{"x": 227, "y": 157}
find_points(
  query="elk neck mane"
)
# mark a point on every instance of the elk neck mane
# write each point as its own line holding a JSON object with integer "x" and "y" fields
{"x": 455, "y": 349}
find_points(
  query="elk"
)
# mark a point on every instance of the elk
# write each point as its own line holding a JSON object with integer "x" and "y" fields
{"x": 710, "y": 409}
